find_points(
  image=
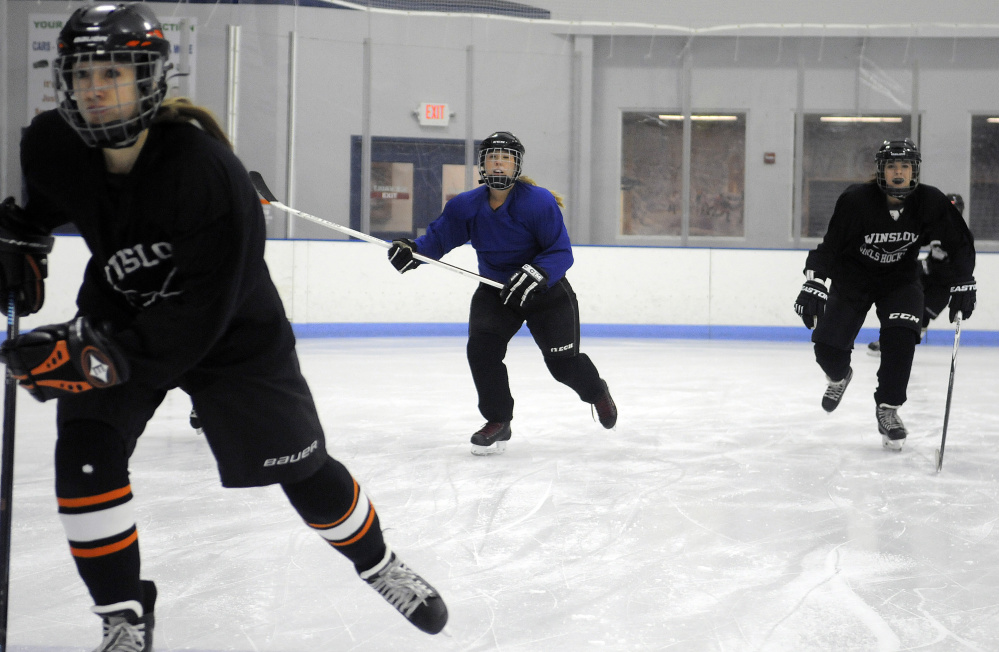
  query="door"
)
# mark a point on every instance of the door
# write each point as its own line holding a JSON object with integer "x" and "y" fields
{"x": 411, "y": 179}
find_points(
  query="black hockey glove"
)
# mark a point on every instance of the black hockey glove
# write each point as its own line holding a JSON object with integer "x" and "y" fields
{"x": 64, "y": 359}
{"x": 963, "y": 299}
{"x": 526, "y": 283}
{"x": 811, "y": 302}
{"x": 23, "y": 260}
{"x": 400, "y": 254}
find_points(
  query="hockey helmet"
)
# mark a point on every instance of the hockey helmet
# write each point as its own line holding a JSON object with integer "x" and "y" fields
{"x": 958, "y": 202}
{"x": 500, "y": 141}
{"x": 898, "y": 150}
{"x": 125, "y": 34}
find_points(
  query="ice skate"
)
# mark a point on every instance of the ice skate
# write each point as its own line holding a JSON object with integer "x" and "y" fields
{"x": 195, "y": 422}
{"x": 893, "y": 432}
{"x": 874, "y": 348}
{"x": 834, "y": 391}
{"x": 605, "y": 409}
{"x": 127, "y": 630}
{"x": 409, "y": 593}
{"x": 491, "y": 438}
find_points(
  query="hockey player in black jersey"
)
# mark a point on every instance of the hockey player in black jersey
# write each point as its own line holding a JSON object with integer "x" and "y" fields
{"x": 176, "y": 294}
{"x": 869, "y": 257}
{"x": 936, "y": 277}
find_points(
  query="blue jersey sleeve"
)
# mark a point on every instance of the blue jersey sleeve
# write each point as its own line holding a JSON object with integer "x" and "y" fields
{"x": 453, "y": 227}
{"x": 555, "y": 256}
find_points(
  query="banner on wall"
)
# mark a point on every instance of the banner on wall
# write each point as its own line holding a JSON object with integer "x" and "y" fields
{"x": 43, "y": 32}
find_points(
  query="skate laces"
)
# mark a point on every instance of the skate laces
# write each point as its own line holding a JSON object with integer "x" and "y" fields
{"x": 835, "y": 388}
{"x": 491, "y": 429}
{"x": 888, "y": 418}
{"x": 401, "y": 587}
{"x": 120, "y": 635}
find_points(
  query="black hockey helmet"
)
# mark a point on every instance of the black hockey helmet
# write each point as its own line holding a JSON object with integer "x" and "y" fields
{"x": 898, "y": 150}
{"x": 502, "y": 141}
{"x": 124, "y": 34}
{"x": 958, "y": 202}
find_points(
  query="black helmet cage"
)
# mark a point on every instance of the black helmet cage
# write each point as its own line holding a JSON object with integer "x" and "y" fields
{"x": 501, "y": 141}
{"x": 898, "y": 150}
{"x": 123, "y": 34}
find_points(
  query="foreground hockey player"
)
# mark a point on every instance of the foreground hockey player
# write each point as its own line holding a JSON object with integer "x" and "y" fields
{"x": 176, "y": 294}
{"x": 936, "y": 277}
{"x": 869, "y": 257}
{"x": 518, "y": 233}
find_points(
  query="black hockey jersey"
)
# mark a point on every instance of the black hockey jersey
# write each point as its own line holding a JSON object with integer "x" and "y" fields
{"x": 176, "y": 249}
{"x": 865, "y": 242}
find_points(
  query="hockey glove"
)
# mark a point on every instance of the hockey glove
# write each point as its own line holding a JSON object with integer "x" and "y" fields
{"x": 64, "y": 359}
{"x": 963, "y": 299}
{"x": 811, "y": 302}
{"x": 526, "y": 283}
{"x": 400, "y": 254}
{"x": 23, "y": 260}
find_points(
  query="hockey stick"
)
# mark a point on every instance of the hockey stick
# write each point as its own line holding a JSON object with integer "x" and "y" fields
{"x": 950, "y": 390}
{"x": 265, "y": 192}
{"x": 7, "y": 478}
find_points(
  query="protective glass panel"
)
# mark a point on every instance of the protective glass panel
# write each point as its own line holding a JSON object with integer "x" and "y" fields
{"x": 983, "y": 204}
{"x": 391, "y": 196}
{"x": 652, "y": 174}
{"x": 839, "y": 151}
{"x": 452, "y": 181}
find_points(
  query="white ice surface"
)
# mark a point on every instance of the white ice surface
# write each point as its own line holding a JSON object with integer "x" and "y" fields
{"x": 727, "y": 511}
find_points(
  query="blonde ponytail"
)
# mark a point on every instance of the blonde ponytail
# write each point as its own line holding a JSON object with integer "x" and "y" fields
{"x": 558, "y": 197}
{"x": 182, "y": 109}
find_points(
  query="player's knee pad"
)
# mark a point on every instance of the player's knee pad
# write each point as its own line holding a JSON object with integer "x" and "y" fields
{"x": 485, "y": 349}
{"x": 834, "y": 361}
{"x": 898, "y": 338}
{"x": 90, "y": 459}
{"x": 563, "y": 369}
{"x": 324, "y": 496}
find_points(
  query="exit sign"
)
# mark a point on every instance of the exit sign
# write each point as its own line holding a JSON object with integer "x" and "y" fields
{"x": 433, "y": 115}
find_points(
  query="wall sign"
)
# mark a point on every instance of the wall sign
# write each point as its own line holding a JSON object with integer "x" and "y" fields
{"x": 434, "y": 115}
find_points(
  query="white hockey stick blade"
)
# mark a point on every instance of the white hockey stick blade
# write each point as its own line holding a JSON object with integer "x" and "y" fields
{"x": 265, "y": 192}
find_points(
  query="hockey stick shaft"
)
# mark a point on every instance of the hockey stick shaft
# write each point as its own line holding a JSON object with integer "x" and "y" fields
{"x": 7, "y": 477}
{"x": 261, "y": 186}
{"x": 950, "y": 390}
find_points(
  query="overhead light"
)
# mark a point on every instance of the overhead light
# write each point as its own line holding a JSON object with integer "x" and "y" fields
{"x": 712, "y": 118}
{"x": 859, "y": 118}
{"x": 994, "y": 121}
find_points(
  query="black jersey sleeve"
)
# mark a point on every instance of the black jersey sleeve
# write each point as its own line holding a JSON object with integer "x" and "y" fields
{"x": 842, "y": 231}
{"x": 56, "y": 167}
{"x": 946, "y": 225}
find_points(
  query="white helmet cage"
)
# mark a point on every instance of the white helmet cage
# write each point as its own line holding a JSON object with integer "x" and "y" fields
{"x": 150, "y": 82}
{"x": 507, "y": 143}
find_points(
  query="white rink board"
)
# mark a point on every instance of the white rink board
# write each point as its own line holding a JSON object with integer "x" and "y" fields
{"x": 330, "y": 282}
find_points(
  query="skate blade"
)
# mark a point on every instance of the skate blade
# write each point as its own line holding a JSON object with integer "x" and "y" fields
{"x": 892, "y": 444}
{"x": 495, "y": 449}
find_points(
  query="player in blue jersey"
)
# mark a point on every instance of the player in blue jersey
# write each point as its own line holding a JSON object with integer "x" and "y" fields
{"x": 518, "y": 233}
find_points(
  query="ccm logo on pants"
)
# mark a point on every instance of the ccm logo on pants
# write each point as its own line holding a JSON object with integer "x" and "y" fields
{"x": 903, "y": 315}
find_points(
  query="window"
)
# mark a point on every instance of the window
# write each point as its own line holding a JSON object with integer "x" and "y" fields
{"x": 983, "y": 204}
{"x": 839, "y": 151}
{"x": 652, "y": 174}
